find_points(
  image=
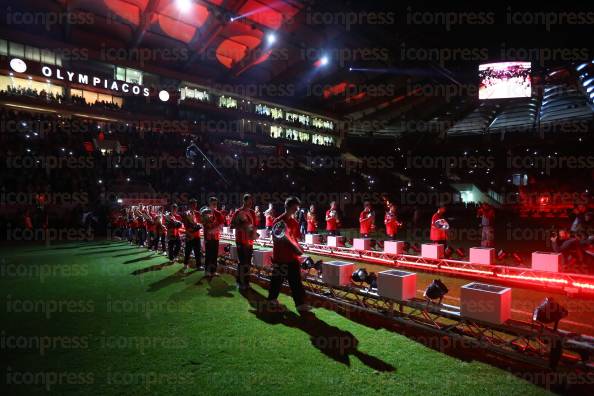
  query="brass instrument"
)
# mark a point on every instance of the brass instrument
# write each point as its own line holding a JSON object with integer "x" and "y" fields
{"x": 207, "y": 217}
{"x": 442, "y": 224}
{"x": 281, "y": 237}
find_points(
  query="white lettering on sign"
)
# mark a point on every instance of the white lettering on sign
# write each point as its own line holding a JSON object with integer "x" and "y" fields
{"x": 84, "y": 79}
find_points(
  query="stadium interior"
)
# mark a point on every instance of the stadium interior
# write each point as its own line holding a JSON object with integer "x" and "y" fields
{"x": 440, "y": 131}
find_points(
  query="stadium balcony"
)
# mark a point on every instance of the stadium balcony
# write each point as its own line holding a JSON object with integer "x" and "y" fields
{"x": 477, "y": 122}
{"x": 516, "y": 116}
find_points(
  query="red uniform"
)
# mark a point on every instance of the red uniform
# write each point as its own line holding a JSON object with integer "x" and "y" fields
{"x": 365, "y": 222}
{"x": 151, "y": 226}
{"x": 258, "y": 219}
{"x": 243, "y": 220}
{"x": 312, "y": 224}
{"x": 175, "y": 226}
{"x": 391, "y": 224}
{"x": 331, "y": 222}
{"x": 191, "y": 225}
{"x": 269, "y": 220}
{"x": 282, "y": 252}
{"x": 212, "y": 230}
{"x": 437, "y": 234}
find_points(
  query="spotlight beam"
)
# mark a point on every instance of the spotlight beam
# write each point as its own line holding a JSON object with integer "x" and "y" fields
{"x": 396, "y": 71}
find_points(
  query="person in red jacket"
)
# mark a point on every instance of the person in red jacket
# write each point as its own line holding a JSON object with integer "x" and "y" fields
{"x": 285, "y": 259}
{"x": 191, "y": 220}
{"x": 269, "y": 217}
{"x": 391, "y": 222}
{"x": 245, "y": 232}
{"x": 212, "y": 221}
{"x": 438, "y": 233}
{"x": 173, "y": 222}
{"x": 312, "y": 221}
{"x": 258, "y": 213}
{"x": 332, "y": 220}
{"x": 366, "y": 220}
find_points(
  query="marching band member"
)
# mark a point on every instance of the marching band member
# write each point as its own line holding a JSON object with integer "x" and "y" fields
{"x": 391, "y": 222}
{"x": 225, "y": 213}
{"x": 245, "y": 232}
{"x": 487, "y": 215}
{"x": 366, "y": 220}
{"x": 151, "y": 226}
{"x": 160, "y": 230}
{"x": 332, "y": 220}
{"x": 269, "y": 216}
{"x": 212, "y": 220}
{"x": 258, "y": 213}
{"x": 285, "y": 259}
{"x": 173, "y": 222}
{"x": 438, "y": 233}
{"x": 141, "y": 229}
{"x": 301, "y": 218}
{"x": 312, "y": 222}
{"x": 192, "y": 226}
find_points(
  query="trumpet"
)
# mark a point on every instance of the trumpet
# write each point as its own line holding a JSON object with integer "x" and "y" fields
{"x": 281, "y": 237}
{"x": 207, "y": 217}
{"x": 442, "y": 224}
{"x": 190, "y": 222}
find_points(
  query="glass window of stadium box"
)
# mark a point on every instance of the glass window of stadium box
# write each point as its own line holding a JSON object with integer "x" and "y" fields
{"x": 193, "y": 93}
{"x": 25, "y": 84}
{"x": 132, "y": 76}
{"x": 276, "y": 132}
{"x": 94, "y": 97}
{"x": 35, "y": 54}
{"x": 16, "y": 49}
{"x": 227, "y": 102}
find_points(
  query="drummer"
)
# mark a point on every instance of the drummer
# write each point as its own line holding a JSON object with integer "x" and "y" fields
{"x": 439, "y": 226}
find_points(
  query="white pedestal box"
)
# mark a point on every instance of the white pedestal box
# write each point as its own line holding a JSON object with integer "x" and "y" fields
{"x": 362, "y": 243}
{"x": 229, "y": 231}
{"x": 313, "y": 239}
{"x": 262, "y": 258}
{"x": 336, "y": 241}
{"x": 482, "y": 255}
{"x": 233, "y": 253}
{"x": 337, "y": 273}
{"x": 544, "y": 261}
{"x": 394, "y": 247}
{"x": 432, "y": 250}
{"x": 487, "y": 303}
{"x": 397, "y": 285}
{"x": 264, "y": 233}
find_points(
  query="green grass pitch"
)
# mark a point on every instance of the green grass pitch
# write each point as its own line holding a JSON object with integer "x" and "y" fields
{"x": 103, "y": 319}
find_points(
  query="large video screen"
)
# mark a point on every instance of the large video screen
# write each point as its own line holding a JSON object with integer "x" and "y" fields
{"x": 505, "y": 80}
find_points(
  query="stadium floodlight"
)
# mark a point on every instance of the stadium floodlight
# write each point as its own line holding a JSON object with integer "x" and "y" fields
{"x": 549, "y": 311}
{"x": 183, "y": 5}
{"x": 271, "y": 38}
{"x": 362, "y": 276}
{"x": 436, "y": 291}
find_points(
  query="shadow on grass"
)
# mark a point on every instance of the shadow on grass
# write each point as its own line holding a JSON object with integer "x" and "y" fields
{"x": 102, "y": 251}
{"x": 144, "y": 258}
{"x": 176, "y": 277}
{"x": 128, "y": 254}
{"x": 333, "y": 342}
{"x": 152, "y": 268}
{"x": 219, "y": 288}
